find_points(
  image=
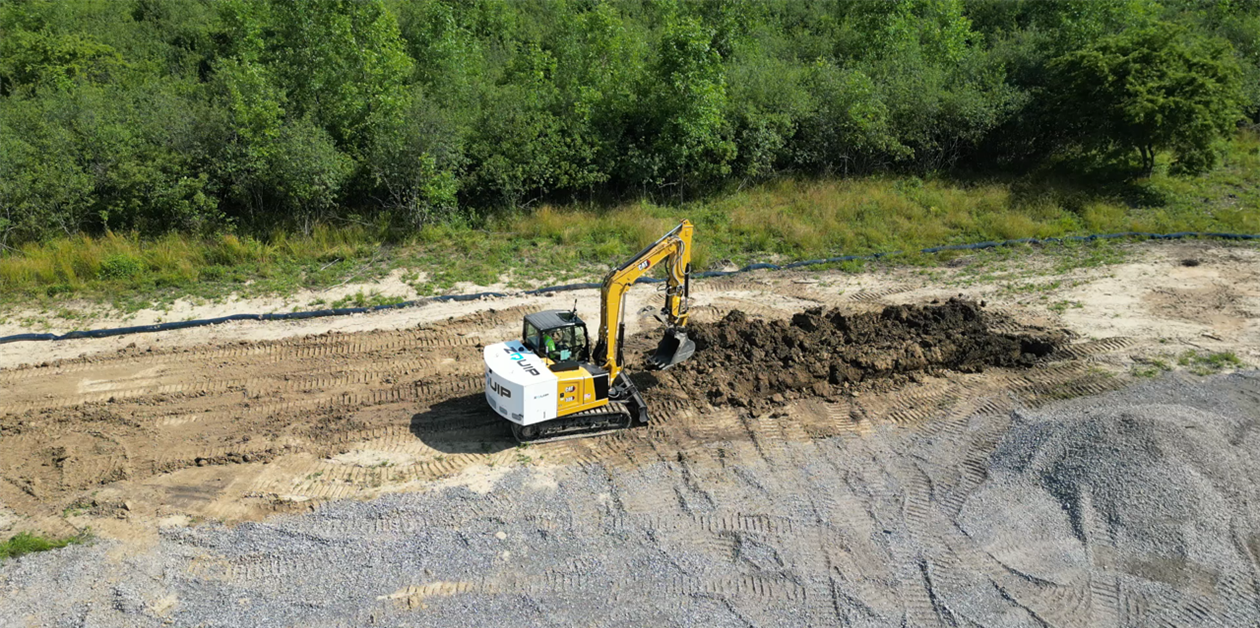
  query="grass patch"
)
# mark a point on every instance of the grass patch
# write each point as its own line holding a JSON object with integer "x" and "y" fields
{"x": 1150, "y": 367}
{"x": 1061, "y": 306}
{"x": 130, "y": 273}
{"x": 779, "y": 221}
{"x": 359, "y": 299}
{"x": 24, "y": 543}
{"x": 1209, "y": 363}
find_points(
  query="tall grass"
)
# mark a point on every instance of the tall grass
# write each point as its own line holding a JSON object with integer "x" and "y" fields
{"x": 794, "y": 218}
{"x": 594, "y": 234}
{"x": 125, "y": 261}
{"x": 785, "y": 219}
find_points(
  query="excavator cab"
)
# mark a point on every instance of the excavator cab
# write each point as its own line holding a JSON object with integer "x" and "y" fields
{"x": 559, "y": 336}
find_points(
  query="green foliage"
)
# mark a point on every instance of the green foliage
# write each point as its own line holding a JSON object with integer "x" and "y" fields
{"x": 120, "y": 266}
{"x": 24, "y": 543}
{"x": 206, "y": 117}
{"x": 359, "y": 299}
{"x": 414, "y": 163}
{"x": 785, "y": 219}
{"x": 1150, "y": 367}
{"x": 686, "y": 105}
{"x": 342, "y": 61}
{"x": 1152, "y": 89}
{"x": 848, "y": 125}
{"x": 1209, "y": 363}
{"x": 29, "y": 58}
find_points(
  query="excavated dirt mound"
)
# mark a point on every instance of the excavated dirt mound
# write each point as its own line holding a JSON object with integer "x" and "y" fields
{"x": 749, "y": 362}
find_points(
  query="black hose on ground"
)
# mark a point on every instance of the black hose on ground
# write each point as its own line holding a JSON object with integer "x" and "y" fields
{"x": 343, "y": 311}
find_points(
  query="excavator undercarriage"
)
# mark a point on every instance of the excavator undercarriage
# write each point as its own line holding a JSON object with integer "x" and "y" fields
{"x": 619, "y": 414}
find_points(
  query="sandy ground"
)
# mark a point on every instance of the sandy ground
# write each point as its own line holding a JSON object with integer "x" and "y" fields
{"x": 1134, "y": 509}
{"x": 135, "y": 437}
{"x": 1150, "y": 294}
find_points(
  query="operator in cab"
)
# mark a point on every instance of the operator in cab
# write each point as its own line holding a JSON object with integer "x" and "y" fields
{"x": 549, "y": 345}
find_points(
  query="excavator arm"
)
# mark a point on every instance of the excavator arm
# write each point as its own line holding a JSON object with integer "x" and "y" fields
{"x": 674, "y": 249}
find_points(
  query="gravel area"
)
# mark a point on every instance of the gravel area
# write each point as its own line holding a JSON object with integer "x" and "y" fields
{"x": 1134, "y": 508}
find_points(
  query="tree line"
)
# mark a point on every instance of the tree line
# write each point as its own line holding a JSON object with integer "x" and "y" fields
{"x": 202, "y": 115}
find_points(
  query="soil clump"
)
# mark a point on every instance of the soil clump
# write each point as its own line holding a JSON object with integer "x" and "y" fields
{"x": 746, "y": 362}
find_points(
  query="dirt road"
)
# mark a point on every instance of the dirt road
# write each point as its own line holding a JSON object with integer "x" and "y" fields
{"x": 130, "y": 440}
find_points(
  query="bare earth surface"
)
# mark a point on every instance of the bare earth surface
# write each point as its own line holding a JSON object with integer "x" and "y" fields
{"x": 343, "y": 471}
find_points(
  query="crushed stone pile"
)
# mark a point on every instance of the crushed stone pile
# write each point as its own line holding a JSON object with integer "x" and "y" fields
{"x": 1151, "y": 495}
{"x": 742, "y": 361}
{"x": 1158, "y": 486}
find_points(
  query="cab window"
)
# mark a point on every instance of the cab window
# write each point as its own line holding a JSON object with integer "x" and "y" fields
{"x": 579, "y": 344}
{"x": 531, "y": 338}
{"x": 564, "y": 343}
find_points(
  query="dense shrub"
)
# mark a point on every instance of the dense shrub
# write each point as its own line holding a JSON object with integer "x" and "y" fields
{"x": 208, "y": 115}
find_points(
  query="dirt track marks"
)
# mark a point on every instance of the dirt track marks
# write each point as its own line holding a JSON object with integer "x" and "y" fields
{"x": 351, "y": 415}
{"x": 234, "y": 404}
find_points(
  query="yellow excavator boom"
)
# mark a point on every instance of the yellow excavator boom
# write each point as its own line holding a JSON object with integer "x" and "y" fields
{"x": 674, "y": 248}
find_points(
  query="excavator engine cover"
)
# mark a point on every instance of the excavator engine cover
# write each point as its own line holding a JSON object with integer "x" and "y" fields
{"x": 674, "y": 348}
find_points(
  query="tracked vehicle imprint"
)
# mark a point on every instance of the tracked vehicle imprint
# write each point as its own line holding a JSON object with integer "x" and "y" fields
{"x": 423, "y": 407}
{"x": 885, "y": 463}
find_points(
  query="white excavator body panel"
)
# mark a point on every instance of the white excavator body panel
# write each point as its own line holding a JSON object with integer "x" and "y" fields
{"x": 519, "y": 386}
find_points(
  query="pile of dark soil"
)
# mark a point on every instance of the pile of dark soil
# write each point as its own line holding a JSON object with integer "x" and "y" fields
{"x": 748, "y": 362}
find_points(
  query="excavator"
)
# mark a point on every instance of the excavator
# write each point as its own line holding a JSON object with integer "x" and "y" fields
{"x": 550, "y": 385}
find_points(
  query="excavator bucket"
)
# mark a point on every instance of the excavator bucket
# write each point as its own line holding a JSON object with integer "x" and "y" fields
{"x": 674, "y": 348}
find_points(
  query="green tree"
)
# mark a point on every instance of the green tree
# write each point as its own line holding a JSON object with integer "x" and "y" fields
{"x": 44, "y": 189}
{"x": 1151, "y": 89}
{"x": 599, "y": 61}
{"x": 449, "y": 58}
{"x": 276, "y": 167}
{"x": 28, "y": 59}
{"x": 848, "y": 125}
{"x": 341, "y": 61}
{"x": 1244, "y": 33}
{"x": 249, "y": 113}
{"x": 414, "y": 165}
{"x": 766, "y": 104}
{"x": 306, "y": 172}
{"x": 518, "y": 145}
{"x": 878, "y": 29}
{"x": 151, "y": 115}
{"x": 686, "y": 104}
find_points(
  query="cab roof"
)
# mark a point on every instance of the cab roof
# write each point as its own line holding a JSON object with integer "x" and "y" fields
{"x": 551, "y": 319}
